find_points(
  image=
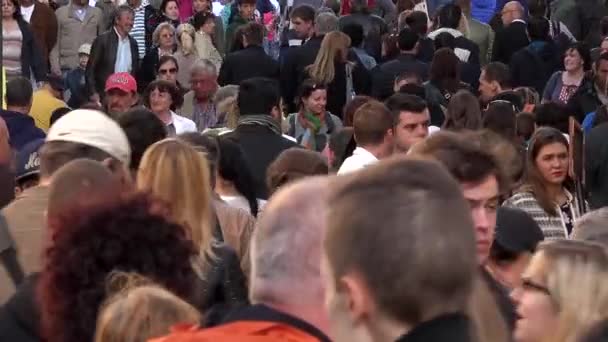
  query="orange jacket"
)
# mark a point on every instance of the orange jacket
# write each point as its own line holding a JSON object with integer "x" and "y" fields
{"x": 241, "y": 331}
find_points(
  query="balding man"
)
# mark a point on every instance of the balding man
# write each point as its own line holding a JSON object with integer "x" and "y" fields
{"x": 513, "y": 37}
{"x": 286, "y": 289}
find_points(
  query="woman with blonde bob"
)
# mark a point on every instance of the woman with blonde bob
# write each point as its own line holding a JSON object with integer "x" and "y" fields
{"x": 564, "y": 292}
{"x": 343, "y": 78}
{"x": 178, "y": 174}
{"x": 141, "y": 310}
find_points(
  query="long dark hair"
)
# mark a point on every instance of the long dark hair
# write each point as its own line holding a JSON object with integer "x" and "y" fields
{"x": 534, "y": 180}
{"x": 445, "y": 70}
{"x": 234, "y": 168}
{"x": 17, "y": 14}
{"x": 463, "y": 112}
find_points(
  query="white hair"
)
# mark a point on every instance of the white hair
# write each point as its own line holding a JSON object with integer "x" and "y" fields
{"x": 159, "y": 28}
{"x": 203, "y": 66}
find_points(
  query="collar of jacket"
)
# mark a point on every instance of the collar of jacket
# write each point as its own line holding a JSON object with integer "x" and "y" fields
{"x": 453, "y": 327}
{"x": 261, "y": 312}
{"x": 451, "y": 31}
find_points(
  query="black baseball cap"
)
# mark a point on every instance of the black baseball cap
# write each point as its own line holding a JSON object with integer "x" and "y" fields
{"x": 516, "y": 230}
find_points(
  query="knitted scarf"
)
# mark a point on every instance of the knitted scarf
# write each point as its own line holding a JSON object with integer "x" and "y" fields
{"x": 261, "y": 120}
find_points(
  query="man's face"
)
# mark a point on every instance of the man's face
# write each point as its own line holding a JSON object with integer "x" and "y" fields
{"x": 125, "y": 22}
{"x": 601, "y": 71}
{"x": 200, "y": 5}
{"x": 487, "y": 90}
{"x": 168, "y": 72}
{"x": 119, "y": 101}
{"x": 303, "y": 28}
{"x": 483, "y": 201}
{"x": 246, "y": 11}
{"x": 83, "y": 59}
{"x": 204, "y": 85}
{"x": 411, "y": 129}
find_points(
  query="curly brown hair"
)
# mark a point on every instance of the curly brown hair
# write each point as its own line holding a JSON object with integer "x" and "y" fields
{"x": 132, "y": 234}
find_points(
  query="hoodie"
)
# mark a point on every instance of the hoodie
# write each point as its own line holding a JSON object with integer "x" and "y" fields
{"x": 21, "y": 128}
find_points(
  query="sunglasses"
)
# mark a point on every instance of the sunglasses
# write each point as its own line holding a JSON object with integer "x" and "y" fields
{"x": 167, "y": 71}
{"x": 530, "y": 285}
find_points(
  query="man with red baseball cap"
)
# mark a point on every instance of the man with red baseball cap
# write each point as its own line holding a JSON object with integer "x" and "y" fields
{"x": 121, "y": 93}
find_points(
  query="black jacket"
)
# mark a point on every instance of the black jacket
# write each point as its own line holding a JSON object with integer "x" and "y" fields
{"x": 147, "y": 70}
{"x": 19, "y": 316}
{"x": 261, "y": 146}
{"x": 585, "y": 100}
{"x": 102, "y": 60}
{"x": 21, "y": 128}
{"x": 596, "y": 166}
{"x": 296, "y": 60}
{"x": 467, "y": 44}
{"x": 533, "y": 65}
{"x": 383, "y": 75}
{"x": 250, "y": 62}
{"x": 454, "y": 327}
{"x": 374, "y": 28}
{"x": 426, "y": 50}
{"x": 508, "y": 41}
{"x": 31, "y": 54}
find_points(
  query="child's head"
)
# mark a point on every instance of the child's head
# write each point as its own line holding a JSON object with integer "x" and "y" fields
{"x": 83, "y": 55}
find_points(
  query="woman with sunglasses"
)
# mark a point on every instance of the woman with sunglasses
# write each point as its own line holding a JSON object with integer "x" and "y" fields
{"x": 164, "y": 45}
{"x": 167, "y": 70}
{"x": 563, "y": 293}
{"x": 547, "y": 190}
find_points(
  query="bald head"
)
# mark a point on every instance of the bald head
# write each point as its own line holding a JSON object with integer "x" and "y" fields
{"x": 286, "y": 245}
{"x": 511, "y": 11}
{"x": 80, "y": 182}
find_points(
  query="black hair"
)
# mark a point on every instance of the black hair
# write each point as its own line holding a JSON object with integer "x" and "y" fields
{"x": 58, "y": 113}
{"x": 604, "y": 26}
{"x": 538, "y": 28}
{"x": 444, "y": 40}
{"x": 407, "y": 39}
{"x": 355, "y": 32}
{"x": 206, "y": 144}
{"x": 307, "y": 88}
{"x": 499, "y": 72}
{"x": 449, "y": 16}
{"x": 164, "y": 3}
{"x": 501, "y": 255}
{"x": 537, "y": 8}
{"x": 512, "y": 97}
{"x": 17, "y": 15}
{"x": 418, "y": 22}
{"x": 177, "y": 99}
{"x": 254, "y": 33}
{"x": 19, "y": 92}
{"x": 143, "y": 128}
{"x": 552, "y": 114}
{"x": 164, "y": 59}
{"x": 304, "y": 12}
{"x": 500, "y": 118}
{"x": 201, "y": 18}
{"x": 583, "y": 50}
{"x": 257, "y": 95}
{"x": 413, "y": 89}
{"x": 400, "y": 102}
{"x": 524, "y": 123}
{"x": 234, "y": 168}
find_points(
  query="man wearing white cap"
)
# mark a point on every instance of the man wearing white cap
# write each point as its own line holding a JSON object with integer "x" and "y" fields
{"x": 79, "y": 134}
{"x": 75, "y": 79}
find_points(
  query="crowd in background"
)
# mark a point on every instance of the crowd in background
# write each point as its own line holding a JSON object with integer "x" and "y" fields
{"x": 306, "y": 170}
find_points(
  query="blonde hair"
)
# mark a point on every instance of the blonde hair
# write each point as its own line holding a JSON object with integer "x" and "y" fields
{"x": 159, "y": 29}
{"x": 334, "y": 48}
{"x": 140, "y": 310}
{"x": 185, "y": 39}
{"x": 575, "y": 274}
{"x": 176, "y": 173}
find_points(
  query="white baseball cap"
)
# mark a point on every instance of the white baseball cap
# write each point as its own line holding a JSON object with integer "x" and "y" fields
{"x": 85, "y": 48}
{"x": 92, "y": 128}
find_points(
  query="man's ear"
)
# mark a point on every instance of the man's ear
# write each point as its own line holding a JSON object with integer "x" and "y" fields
{"x": 358, "y": 299}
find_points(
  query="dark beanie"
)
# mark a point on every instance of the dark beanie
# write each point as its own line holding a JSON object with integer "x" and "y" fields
{"x": 516, "y": 231}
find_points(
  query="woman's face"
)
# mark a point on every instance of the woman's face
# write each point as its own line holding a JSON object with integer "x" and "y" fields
{"x": 166, "y": 39}
{"x": 316, "y": 101}
{"x": 160, "y": 102}
{"x": 552, "y": 163}
{"x": 201, "y": 5}
{"x": 573, "y": 60}
{"x": 247, "y": 10}
{"x": 8, "y": 9}
{"x": 209, "y": 26}
{"x": 536, "y": 312}
{"x": 168, "y": 72}
{"x": 172, "y": 11}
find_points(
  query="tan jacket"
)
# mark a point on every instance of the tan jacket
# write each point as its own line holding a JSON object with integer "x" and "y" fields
{"x": 237, "y": 227}
{"x": 482, "y": 35}
{"x": 206, "y": 49}
{"x": 72, "y": 33}
{"x": 26, "y": 219}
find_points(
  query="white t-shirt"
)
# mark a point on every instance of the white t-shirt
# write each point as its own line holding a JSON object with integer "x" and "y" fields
{"x": 26, "y": 12}
{"x": 360, "y": 159}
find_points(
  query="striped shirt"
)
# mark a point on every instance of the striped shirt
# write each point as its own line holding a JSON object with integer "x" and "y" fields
{"x": 138, "y": 32}
{"x": 11, "y": 52}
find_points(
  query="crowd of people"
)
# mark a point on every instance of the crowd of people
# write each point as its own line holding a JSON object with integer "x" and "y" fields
{"x": 307, "y": 170}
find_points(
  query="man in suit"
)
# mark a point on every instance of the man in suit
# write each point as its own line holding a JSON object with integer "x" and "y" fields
{"x": 513, "y": 36}
{"x": 112, "y": 52}
{"x": 478, "y": 32}
{"x": 249, "y": 62}
{"x": 43, "y": 22}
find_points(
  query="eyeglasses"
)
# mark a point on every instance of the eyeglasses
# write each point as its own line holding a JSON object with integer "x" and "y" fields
{"x": 167, "y": 71}
{"x": 167, "y": 35}
{"x": 530, "y": 285}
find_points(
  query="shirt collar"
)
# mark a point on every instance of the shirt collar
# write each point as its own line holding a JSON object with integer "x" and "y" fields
{"x": 120, "y": 39}
{"x": 362, "y": 152}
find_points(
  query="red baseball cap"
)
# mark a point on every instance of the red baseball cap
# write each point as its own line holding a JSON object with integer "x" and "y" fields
{"x": 123, "y": 81}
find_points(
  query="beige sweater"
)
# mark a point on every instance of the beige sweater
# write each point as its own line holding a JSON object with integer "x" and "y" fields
{"x": 206, "y": 49}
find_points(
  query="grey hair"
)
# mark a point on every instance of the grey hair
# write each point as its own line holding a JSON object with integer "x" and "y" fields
{"x": 225, "y": 92}
{"x": 159, "y": 28}
{"x": 593, "y": 226}
{"x": 204, "y": 66}
{"x": 122, "y": 10}
{"x": 187, "y": 28}
{"x": 286, "y": 245}
{"x": 326, "y": 22}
